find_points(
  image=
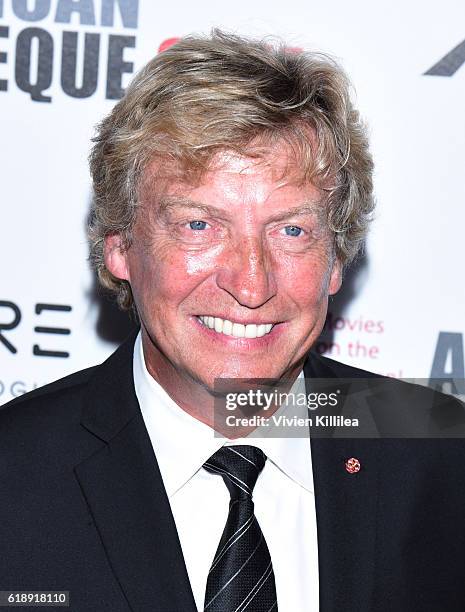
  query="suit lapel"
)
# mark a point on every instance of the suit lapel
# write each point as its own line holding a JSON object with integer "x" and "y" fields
{"x": 346, "y": 511}
{"x": 124, "y": 490}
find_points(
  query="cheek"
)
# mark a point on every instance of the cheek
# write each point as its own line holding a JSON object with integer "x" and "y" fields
{"x": 172, "y": 272}
{"x": 202, "y": 263}
{"x": 306, "y": 280}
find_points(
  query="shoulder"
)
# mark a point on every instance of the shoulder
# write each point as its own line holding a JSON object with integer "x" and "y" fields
{"x": 67, "y": 383}
{"x": 47, "y": 404}
{"x": 67, "y": 392}
{"x": 60, "y": 406}
{"x": 403, "y": 405}
{"x": 319, "y": 365}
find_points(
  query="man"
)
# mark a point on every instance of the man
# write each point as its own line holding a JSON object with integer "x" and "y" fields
{"x": 232, "y": 186}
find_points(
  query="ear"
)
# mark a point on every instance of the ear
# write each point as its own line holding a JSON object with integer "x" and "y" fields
{"x": 115, "y": 256}
{"x": 335, "y": 281}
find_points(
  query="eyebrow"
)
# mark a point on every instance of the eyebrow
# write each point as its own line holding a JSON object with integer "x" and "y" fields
{"x": 170, "y": 202}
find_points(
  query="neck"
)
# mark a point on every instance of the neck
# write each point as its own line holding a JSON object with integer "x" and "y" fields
{"x": 195, "y": 397}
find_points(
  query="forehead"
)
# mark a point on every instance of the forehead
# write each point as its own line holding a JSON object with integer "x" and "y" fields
{"x": 271, "y": 164}
{"x": 254, "y": 175}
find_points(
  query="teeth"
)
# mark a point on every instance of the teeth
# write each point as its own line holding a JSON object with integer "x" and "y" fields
{"x": 238, "y": 330}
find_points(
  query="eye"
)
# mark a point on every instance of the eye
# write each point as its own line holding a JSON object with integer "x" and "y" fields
{"x": 197, "y": 225}
{"x": 293, "y": 230}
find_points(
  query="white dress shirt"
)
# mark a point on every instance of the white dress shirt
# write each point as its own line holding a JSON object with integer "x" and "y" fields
{"x": 283, "y": 495}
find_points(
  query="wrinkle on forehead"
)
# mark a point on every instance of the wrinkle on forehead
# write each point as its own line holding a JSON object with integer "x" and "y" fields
{"x": 279, "y": 161}
{"x": 230, "y": 161}
{"x": 277, "y": 150}
{"x": 275, "y": 157}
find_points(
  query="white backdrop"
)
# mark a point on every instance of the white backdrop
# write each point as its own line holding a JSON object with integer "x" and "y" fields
{"x": 62, "y": 65}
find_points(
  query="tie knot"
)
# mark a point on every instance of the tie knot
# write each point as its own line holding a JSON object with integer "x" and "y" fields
{"x": 239, "y": 466}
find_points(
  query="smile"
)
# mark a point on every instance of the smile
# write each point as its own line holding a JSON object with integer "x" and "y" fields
{"x": 237, "y": 330}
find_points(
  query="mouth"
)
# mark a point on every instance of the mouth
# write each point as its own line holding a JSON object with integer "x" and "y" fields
{"x": 235, "y": 329}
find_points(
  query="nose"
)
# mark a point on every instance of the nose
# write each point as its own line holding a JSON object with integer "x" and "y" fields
{"x": 248, "y": 274}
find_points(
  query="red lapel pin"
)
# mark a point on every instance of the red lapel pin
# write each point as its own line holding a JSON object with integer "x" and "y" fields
{"x": 353, "y": 465}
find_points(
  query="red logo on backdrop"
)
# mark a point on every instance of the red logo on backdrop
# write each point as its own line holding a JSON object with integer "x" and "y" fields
{"x": 170, "y": 41}
{"x": 167, "y": 43}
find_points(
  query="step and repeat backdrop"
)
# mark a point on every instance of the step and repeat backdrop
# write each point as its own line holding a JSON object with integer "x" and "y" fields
{"x": 64, "y": 63}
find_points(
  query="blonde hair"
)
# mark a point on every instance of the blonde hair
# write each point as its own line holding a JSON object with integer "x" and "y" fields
{"x": 225, "y": 92}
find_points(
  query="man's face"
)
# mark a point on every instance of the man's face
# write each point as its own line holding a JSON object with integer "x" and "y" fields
{"x": 230, "y": 277}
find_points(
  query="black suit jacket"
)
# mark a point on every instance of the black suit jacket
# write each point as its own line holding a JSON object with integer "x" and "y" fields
{"x": 83, "y": 507}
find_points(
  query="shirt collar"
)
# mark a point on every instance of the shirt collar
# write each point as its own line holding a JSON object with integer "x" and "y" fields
{"x": 182, "y": 443}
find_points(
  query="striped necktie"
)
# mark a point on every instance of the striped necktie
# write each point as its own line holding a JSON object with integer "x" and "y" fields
{"x": 241, "y": 578}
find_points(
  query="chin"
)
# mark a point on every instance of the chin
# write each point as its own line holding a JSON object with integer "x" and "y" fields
{"x": 243, "y": 372}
